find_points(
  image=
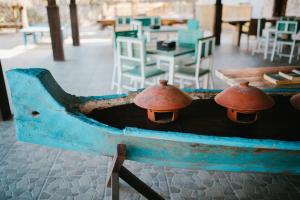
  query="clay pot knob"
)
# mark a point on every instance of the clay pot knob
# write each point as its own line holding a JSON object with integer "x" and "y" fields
{"x": 244, "y": 84}
{"x": 163, "y": 82}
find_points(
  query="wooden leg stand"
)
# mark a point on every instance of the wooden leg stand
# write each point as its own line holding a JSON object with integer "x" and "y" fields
{"x": 118, "y": 170}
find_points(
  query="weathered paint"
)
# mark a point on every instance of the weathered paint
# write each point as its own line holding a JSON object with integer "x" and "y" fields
{"x": 60, "y": 124}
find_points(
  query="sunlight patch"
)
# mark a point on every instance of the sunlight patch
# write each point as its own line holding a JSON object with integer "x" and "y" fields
{"x": 17, "y": 50}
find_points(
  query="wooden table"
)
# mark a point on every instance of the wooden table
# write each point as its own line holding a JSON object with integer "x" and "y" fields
{"x": 254, "y": 76}
{"x": 238, "y": 23}
{"x": 106, "y": 22}
{"x": 171, "y": 22}
{"x": 165, "y": 22}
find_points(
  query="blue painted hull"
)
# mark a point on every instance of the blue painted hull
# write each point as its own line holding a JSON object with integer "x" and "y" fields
{"x": 47, "y": 115}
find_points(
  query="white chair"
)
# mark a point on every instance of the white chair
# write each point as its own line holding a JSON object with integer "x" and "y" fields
{"x": 194, "y": 71}
{"x": 137, "y": 25}
{"x": 285, "y": 35}
{"x": 122, "y": 20}
{"x": 264, "y": 39}
{"x": 155, "y": 20}
{"x": 114, "y": 81}
{"x": 132, "y": 51}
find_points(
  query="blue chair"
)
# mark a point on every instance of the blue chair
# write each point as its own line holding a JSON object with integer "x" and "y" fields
{"x": 189, "y": 38}
{"x": 193, "y": 24}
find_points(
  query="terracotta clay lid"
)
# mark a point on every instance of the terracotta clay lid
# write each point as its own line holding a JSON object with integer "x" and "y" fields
{"x": 162, "y": 102}
{"x": 295, "y": 101}
{"x": 162, "y": 97}
{"x": 244, "y": 102}
{"x": 244, "y": 97}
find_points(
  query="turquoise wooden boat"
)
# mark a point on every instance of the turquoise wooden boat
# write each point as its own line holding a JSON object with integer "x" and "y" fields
{"x": 45, "y": 114}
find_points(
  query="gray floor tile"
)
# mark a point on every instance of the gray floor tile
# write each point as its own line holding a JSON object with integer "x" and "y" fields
{"x": 24, "y": 169}
{"x": 71, "y": 163}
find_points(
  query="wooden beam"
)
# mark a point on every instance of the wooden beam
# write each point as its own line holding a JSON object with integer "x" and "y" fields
{"x": 55, "y": 31}
{"x": 138, "y": 184}
{"x": 218, "y": 21}
{"x": 118, "y": 170}
{"x": 74, "y": 23}
{"x": 4, "y": 103}
{"x": 117, "y": 162}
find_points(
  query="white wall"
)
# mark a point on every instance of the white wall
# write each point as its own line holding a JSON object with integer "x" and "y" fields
{"x": 293, "y": 8}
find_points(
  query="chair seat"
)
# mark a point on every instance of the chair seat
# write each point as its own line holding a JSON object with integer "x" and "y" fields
{"x": 287, "y": 40}
{"x": 132, "y": 64}
{"x": 149, "y": 72}
{"x": 190, "y": 71}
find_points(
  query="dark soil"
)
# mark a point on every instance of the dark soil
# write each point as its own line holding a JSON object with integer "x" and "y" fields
{"x": 205, "y": 117}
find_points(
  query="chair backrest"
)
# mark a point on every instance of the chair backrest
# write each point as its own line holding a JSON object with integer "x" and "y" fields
{"x": 288, "y": 18}
{"x": 286, "y": 27}
{"x": 189, "y": 38}
{"x": 123, "y": 20}
{"x": 193, "y": 24}
{"x": 206, "y": 48}
{"x": 146, "y": 21}
{"x": 132, "y": 50}
{"x": 130, "y": 34}
{"x": 137, "y": 25}
{"x": 155, "y": 20}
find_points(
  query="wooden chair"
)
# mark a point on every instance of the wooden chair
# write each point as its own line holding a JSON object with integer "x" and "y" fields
{"x": 194, "y": 71}
{"x": 286, "y": 32}
{"x": 132, "y": 51}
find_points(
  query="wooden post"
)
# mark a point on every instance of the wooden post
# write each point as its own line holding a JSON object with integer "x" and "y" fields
{"x": 55, "y": 31}
{"x": 74, "y": 23}
{"x": 218, "y": 21}
{"x": 279, "y": 8}
{"x": 118, "y": 170}
{"x": 4, "y": 103}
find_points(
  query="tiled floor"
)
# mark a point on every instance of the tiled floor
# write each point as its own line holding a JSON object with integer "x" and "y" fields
{"x": 29, "y": 171}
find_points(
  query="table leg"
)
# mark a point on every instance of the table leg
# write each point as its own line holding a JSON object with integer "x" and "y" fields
{"x": 266, "y": 46}
{"x": 34, "y": 38}
{"x": 171, "y": 71}
{"x": 25, "y": 39}
{"x": 239, "y": 25}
